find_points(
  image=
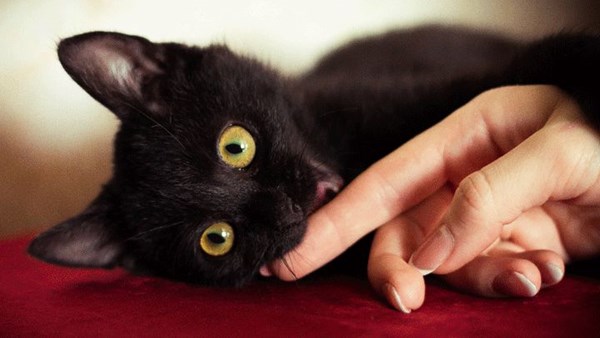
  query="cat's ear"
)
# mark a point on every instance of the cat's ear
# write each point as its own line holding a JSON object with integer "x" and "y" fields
{"x": 120, "y": 71}
{"x": 86, "y": 240}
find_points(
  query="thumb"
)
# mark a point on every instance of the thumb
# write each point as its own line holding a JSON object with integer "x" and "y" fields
{"x": 558, "y": 162}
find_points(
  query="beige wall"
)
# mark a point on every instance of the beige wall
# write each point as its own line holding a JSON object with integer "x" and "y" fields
{"x": 55, "y": 140}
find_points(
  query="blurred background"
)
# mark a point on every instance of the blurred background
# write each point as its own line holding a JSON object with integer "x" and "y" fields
{"x": 55, "y": 141}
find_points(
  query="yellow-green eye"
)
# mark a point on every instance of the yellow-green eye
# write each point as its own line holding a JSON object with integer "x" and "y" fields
{"x": 217, "y": 239}
{"x": 236, "y": 147}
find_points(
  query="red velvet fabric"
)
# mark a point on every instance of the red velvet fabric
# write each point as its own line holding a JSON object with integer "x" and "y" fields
{"x": 37, "y": 299}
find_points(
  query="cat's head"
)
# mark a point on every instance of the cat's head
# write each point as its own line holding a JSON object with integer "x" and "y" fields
{"x": 215, "y": 167}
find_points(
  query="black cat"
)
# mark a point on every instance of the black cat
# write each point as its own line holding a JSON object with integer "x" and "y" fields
{"x": 219, "y": 159}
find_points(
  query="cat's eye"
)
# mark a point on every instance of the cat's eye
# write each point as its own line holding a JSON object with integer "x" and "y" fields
{"x": 236, "y": 147}
{"x": 217, "y": 239}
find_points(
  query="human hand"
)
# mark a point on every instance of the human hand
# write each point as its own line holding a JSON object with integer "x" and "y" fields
{"x": 496, "y": 198}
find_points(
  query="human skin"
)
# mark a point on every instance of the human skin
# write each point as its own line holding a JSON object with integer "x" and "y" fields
{"x": 496, "y": 198}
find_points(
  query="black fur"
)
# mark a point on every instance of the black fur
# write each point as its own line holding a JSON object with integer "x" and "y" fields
{"x": 356, "y": 105}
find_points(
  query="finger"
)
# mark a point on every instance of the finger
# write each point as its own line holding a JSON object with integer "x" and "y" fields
{"x": 390, "y": 186}
{"x": 402, "y": 179}
{"x": 459, "y": 144}
{"x": 550, "y": 264}
{"x": 515, "y": 275}
{"x": 389, "y": 273}
{"x": 535, "y": 229}
{"x": 556, "y": 163}
{"x": 578, "y": 227}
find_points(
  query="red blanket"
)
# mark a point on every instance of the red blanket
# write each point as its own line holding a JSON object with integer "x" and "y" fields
{"x": 37, "y": 299}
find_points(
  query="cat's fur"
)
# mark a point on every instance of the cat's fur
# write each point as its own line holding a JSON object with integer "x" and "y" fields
{"x": 355, "y": 106}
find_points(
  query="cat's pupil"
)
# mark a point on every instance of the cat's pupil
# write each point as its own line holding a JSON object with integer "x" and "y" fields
{"x": 216, "y": 238}
{"x": 235, "y": 148}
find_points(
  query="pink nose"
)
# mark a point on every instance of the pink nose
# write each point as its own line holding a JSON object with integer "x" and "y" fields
{"x": 326, "y": 189}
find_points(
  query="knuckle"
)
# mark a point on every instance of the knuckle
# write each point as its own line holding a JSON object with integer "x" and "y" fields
{"x": 473, "y": 199}
{"x": 476, "y": 190}
{"x": 573, "y": 156}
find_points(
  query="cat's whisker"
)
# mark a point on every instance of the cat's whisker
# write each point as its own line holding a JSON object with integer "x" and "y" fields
{"x": 337, "y": 111}
{"x": 289, "y": 268}
{"x": 142, "y": 234}
{"x": 259, "y": 261}
{"x": 181, "y": 247}
{"x": 159, "y": 125}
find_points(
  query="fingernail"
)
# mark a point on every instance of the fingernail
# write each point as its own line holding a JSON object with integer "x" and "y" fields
{"x": 433, "y": 252}
{"x": 394, "y": 298}
{"x": 512, "y": 283}
{"x": 265, "y": 271}
{"x": 555, "y": 273}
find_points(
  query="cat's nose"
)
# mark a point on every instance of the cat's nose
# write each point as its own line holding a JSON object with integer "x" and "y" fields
{"x": 325, "y": 192}
{"x": 328, "y": 184}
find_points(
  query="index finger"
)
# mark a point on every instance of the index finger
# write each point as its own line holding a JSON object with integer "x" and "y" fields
{"x": 389, "y": 187}
{"x": 465, "y": 141}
